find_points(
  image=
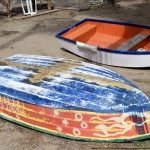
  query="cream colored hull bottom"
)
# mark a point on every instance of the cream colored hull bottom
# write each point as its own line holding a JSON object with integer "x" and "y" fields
{"x": 113, "y": 59}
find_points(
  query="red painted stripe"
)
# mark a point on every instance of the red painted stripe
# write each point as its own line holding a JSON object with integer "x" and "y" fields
{"x": 76, "y": 118}
{"x": 67, "y": 130}
{"x": 70, "y": 114}
{"x": 76, "y": 124}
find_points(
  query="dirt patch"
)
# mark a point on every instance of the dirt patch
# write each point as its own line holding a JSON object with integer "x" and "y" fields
{"x": 148, "y": 94}
{"x": 142, "y": 80}
{"x": 8, "y": 33}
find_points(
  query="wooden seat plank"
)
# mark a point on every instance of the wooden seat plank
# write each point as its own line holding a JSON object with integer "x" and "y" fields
{"x": 133, "y": 41}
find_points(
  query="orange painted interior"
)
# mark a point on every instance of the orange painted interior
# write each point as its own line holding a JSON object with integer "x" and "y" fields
{"x": 106, "y": 35}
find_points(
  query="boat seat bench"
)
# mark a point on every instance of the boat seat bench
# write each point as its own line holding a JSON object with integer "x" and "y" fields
{"x": 134, "y": 41}
{"x": 82, "y": 31}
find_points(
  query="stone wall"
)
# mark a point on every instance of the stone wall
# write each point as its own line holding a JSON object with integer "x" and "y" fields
{"x": 81, "y": 4}
{"x": 96, "y": 3}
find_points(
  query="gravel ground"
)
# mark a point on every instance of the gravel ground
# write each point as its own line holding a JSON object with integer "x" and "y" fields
{"x": 36, "y": 36}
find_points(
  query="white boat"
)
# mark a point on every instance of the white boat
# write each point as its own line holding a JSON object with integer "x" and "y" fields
{"x": 108, "y": 42}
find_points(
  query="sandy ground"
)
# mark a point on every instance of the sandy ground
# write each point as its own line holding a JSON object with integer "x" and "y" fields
{"x": 37, "y": 36}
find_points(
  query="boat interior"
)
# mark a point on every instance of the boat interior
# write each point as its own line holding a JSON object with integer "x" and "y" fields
{"x": 111, "y": 36}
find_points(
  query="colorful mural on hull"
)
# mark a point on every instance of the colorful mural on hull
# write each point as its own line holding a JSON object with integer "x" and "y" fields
{"x": 72, "y": 99}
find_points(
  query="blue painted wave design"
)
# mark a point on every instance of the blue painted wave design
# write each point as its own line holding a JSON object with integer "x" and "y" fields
{"x": 67, "y": 92}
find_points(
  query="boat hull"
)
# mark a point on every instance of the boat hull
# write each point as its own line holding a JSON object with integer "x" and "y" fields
{"x": 72, "y": 99}
{"x": 76, "y": 125}
{"x": 108, "y": 58}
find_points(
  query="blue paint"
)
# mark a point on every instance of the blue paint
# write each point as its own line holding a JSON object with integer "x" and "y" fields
{"x": 111, "y": 75}
{"x": 17, "y": 71}
{"x": 70, "y": 93}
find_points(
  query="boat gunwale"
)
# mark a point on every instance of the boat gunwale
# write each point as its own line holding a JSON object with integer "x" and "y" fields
{"x": 59, "y": 35}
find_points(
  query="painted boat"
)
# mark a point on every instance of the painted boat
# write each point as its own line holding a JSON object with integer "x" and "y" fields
{"x": 72, "y": 99}
{"x": 108, "y": 42}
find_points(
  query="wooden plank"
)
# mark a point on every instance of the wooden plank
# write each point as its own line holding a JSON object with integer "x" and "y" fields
{"x": 81, "y": 31}
{"x": 70, "y": 8}
{"x": 39, "y": 14}
{"x": 9, "y": 8}
{"x": 134, "y": 41}
{"x": 49, "y": 4}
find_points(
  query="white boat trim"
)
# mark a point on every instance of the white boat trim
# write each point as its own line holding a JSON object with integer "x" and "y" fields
{"x": 108, "y": 58}
{"x": 86, "y": 46}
